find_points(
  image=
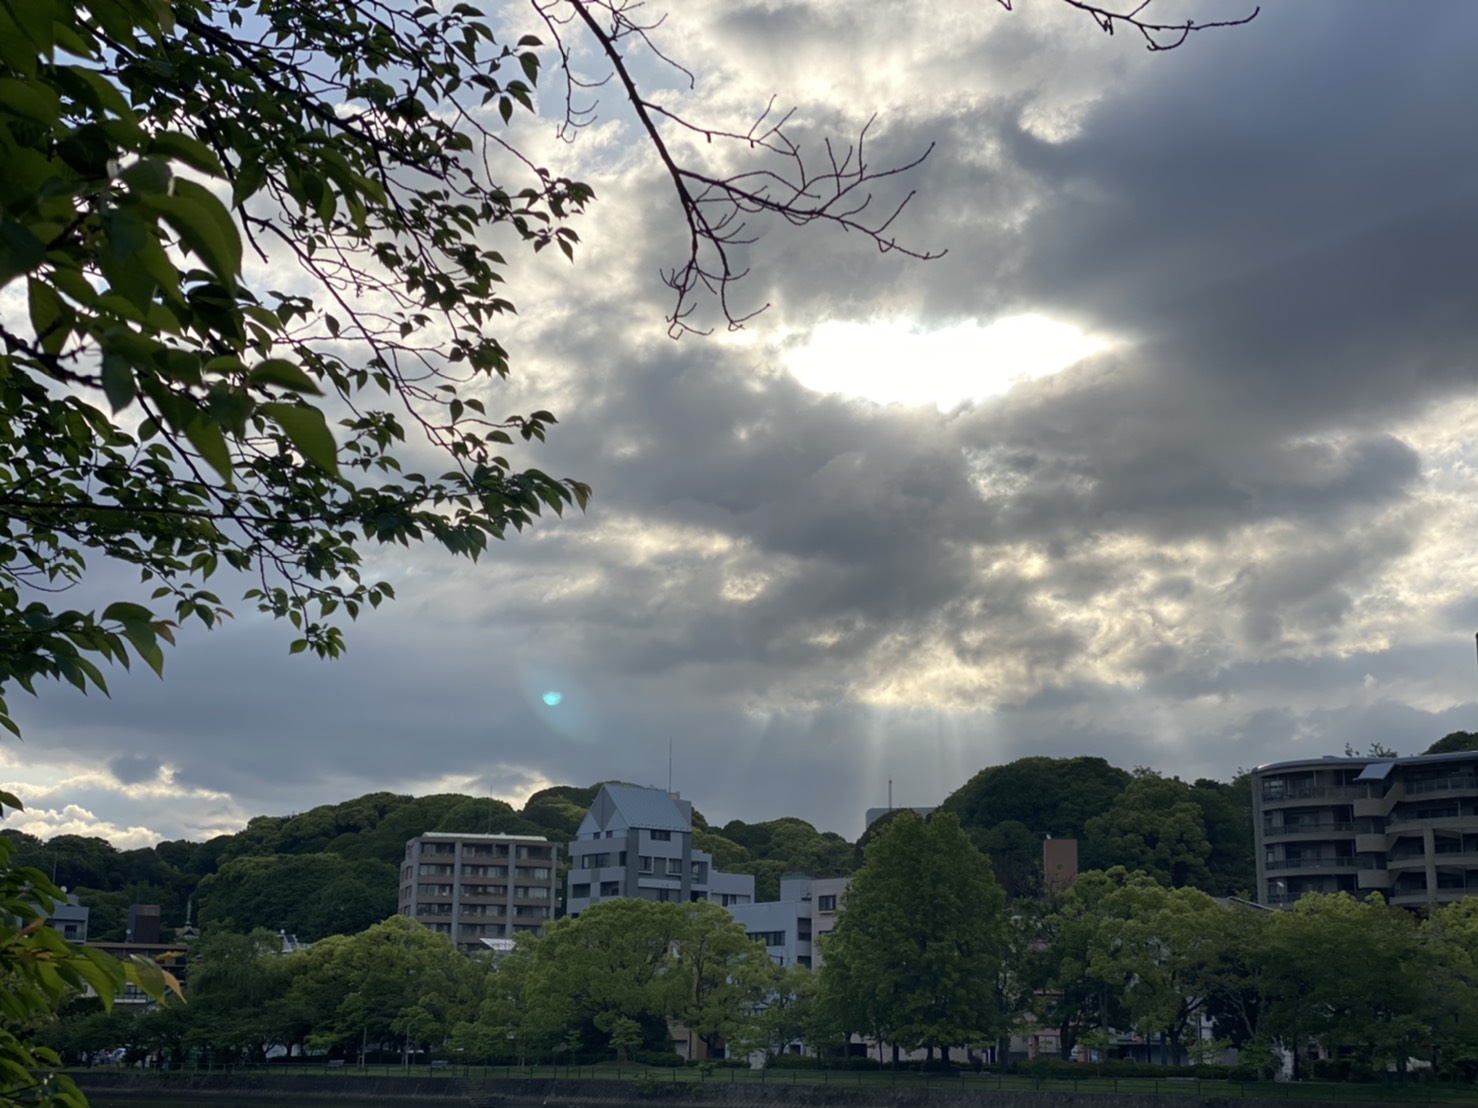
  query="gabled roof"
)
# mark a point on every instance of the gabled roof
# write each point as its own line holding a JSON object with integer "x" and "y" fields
{"x": 648, "y": 809}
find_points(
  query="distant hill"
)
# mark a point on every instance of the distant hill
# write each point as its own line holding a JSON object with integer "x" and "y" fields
{"x": 334, "y": 869}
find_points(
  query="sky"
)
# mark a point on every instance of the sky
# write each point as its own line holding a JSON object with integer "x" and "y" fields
{"x": 1169, "y": 459}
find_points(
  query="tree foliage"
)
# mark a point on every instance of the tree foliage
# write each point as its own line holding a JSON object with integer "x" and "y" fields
{"x": 1155, "y": 826}
{"x": 163, "y": 408}
{"x": 40, "y": 972}
{"x": 918, "y": 949}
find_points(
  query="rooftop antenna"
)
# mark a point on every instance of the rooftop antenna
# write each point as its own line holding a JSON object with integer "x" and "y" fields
{"x": 890, "y": 794}
{"x": 669, "y": 765}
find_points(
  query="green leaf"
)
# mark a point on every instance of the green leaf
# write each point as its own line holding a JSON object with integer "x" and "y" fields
{"x": 37, "y": 19}
{"x": 206, "y": 437}
{"x": 148, "y": 175}
{"x": 191, "y": 151}
{"x": 118, "y": 382}
{"x": 31, "y": 101}
{"x": 20, "y": 252}
{"x": 251, "y": 175}
{"x": 203, "y": 224}
{"x": 307, "y": 430}
{"x": 284, "y": 374}
{"x": 49, "y": 315}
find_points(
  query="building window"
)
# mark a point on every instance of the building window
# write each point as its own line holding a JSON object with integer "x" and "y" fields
{"x": 537, "y": 853}
{"x": 477, "y": 850}
{"x": 660, "y": 836}
{"x": 531, "y": 911}
{"x": 484, "y": 890}
{"x": 484, "y": 871}
{"x": 610, "y": 834}
{"x": 826, "y": 903}
{"x": 645, "y": 864}
{"x": 580, "y": 891}
{"x": 428, "y": 869}
{"x": 433, "y": 909}
{"x": 531, "y": 892}
{"x": 595, "y": 861}
{"x": 438, "y": 848}
{"x": 674, "y": 867}
{"x": 769, "y": 938}
{"x": 538, "y": 873}
{"x": 610, "y": 888}
{"x": 666, "y": 895}
{"x": 434, "y": 890}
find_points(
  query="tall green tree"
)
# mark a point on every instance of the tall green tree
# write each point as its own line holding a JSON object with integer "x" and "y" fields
{"x": 1352, "y": 974}
{"x": 612, "y": 962}
{"x": 1156, "y": 826}
{"x": 917, "y": 952}
{"x": 727, "y": 976}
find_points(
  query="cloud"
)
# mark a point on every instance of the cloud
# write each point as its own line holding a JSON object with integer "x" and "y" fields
{"x": 1240, "y": 533}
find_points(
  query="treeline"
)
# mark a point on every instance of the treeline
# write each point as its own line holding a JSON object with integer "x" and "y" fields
{"x": 928, "y": 955}
{"x": 333, "y": 870}
{"x": 604, "y": 984}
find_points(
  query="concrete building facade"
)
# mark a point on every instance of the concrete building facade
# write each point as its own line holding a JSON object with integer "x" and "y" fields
{"x": 475, "y": 887}
{"x": 1404, "y": 827}
{"x": 639, "y": 842}
{"x": 790, "y": 927}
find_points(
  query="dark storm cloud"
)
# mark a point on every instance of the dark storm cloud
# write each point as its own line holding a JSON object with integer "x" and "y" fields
{"x": 1160, "y": 556}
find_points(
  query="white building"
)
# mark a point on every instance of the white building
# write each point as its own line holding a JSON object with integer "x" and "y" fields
{"x": 639, "y": 842}
{"x": 790, "y": 926}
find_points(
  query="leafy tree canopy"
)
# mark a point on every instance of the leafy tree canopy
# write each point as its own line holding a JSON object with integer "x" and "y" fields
{"x": 1050, "y": 796}
{"x": 1454, "y": 743}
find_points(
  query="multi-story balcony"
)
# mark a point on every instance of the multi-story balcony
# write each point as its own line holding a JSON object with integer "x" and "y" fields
{"x": 1275, "y": 794}
{"x": 1323, "y": 862}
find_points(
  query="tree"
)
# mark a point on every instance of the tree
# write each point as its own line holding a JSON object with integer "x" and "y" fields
{"x": 788, "y": 1015}
{"x": 1048, "y": 796}
{"x": 40, "y": 973}
{"x": 393, "y": 984}
{"x": 1155, "y": 948}
{"x": 1454, "y": 743}
{"x": 1377, "y": 1007}
{"x": 1071, "y": 989}
{"x": 1156, "y": 826}
{"x": 309, "y": 895}
{"x": 612, "y": 962}
{"x": 727, "y": 975}
{"x": 162, "y": 413}
{"x": 918, "y": 946}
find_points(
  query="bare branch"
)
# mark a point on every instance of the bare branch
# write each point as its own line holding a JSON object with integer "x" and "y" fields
{"x": 1157, "y": 36}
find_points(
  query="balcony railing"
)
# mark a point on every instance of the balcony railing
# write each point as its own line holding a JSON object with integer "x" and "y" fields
{"x": 1280, "y": 793}
{"x": 1306, "y": 828}
{"x": 1443, "y": 785}
{"x": 1339, "y": 862}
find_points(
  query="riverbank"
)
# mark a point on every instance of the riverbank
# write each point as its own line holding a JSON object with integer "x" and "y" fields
{"x": 137, "y": 1090}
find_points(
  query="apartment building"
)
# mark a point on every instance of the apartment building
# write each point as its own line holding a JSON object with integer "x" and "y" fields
{"x": 639, "y": 842}
{"x": 1404, "y": 827}
{"x": 477, "y": 889}
{"x": 790, "y": 927}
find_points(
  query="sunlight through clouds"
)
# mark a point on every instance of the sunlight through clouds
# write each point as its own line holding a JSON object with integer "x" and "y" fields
{"x": 891, "y": 362}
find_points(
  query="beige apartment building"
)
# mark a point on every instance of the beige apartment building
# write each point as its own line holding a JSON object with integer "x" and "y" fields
{"x": 1406, "y": 828}
{"x": 479, "y": 889}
